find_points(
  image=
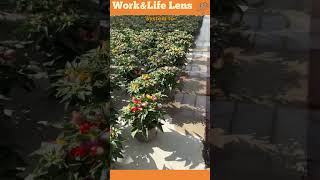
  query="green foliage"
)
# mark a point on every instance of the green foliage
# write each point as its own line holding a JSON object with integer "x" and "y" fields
{"x": 91, "y": 140}
{"x": 50, "y": 16}
{"x": 190, "y": 24}
{"x": 82, "y": 150}
{"x": 162, "y": 80}
{"x": 136, "y": 52}
{"x": 85, "y": 80}
{"x": 152, "y": 58}
{"x": 62, "y": 29}
{"x": 148, "y": 58}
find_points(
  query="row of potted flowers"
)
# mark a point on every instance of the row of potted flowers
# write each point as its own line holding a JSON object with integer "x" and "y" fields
{"x": 190, "y": 24}
{"x": 148, "y": 63}
{"x": 144, "y": 113}
{"x": 135, "y": 52}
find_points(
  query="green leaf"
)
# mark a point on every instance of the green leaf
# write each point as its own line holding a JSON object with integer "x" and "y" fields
{"x": 145, "y": 132}
{"x": 81, "y": 96}
{"x": 134, "y": 132}
{"x": 160, "y": 127}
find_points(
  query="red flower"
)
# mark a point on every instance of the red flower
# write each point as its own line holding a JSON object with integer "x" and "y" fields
{"x": 134, "y": 109}
{"x": 85, "y": 127}
{"x": 136, "y": 101}
{"x": 78, "y": 152}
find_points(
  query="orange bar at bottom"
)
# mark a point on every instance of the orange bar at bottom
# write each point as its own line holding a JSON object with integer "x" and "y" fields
{"x": 159, "y": 175}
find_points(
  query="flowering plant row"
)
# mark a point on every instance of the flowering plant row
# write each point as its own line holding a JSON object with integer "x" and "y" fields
{"x": 136, "y": 52}
{"x": 162, "y": 80}
{"x": 145, "y": 43}
{"x": 190, "y": 24}
{"x": 90, "y": 140}
{"x": 148, "y": 62}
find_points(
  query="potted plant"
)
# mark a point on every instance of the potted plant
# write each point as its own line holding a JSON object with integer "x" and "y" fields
{"x": 169, "y": 79}
{"x": 83, "y": 81}
{"x": 164, "y": 80}
{"x": 144, "y": 113}
{"x": 145, "y": 84}
{"x": 126, "y": 68}
{"x": 85, "y": 149}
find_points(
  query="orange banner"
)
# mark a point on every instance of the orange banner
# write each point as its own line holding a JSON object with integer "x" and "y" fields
{"x": 159, "y": 7}
{"x": 160, "y": 174}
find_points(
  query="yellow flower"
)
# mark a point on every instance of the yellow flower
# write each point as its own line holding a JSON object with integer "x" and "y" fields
{"x": 134, "y": 86}
{"x": 61, "y": 141}
{"x": 83, "y": 76}
{"x": 148, "y": 96}
{"x": 145, "y": 76}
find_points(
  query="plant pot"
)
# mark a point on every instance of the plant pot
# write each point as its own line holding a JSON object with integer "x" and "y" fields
{"x": 171, "y": 96}
{"x": 152, "y": 133}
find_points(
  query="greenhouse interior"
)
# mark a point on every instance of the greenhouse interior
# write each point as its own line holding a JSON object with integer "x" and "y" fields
{"x": 234, "y": 92}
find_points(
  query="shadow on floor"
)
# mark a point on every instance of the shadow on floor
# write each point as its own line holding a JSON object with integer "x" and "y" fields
{"x": 184, "y": 115}
{"x": 169, "y": 150}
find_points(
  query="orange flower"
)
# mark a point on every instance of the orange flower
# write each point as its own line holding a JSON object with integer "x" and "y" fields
{"x": 83, "y": 76}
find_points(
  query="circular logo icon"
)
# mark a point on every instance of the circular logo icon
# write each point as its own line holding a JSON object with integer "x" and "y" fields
{"x": 203, "y": 5}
